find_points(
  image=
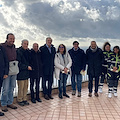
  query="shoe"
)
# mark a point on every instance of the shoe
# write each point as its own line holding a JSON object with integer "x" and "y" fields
{"x": 12, "y": 106}
{"x": 109, "y": 95}
{"x": 4, "y": 108}
{"x": 26, "y": 102}
{"x": 73, "y": 92}
{"x": 66, "y": 95}
{"x": 50, "y": 97}
{"x": 100, "y": 90}
{"x": 60, "y": 96}
{"x": 115, "y": 94}
{"x": 90, "y": 94}
{"x": 96, "y": 94}
{"x": 79, "y": 94}
{"x": 21, "y": 103}
{"x": 33, "y": 100}
{"x": 39, "y": 100}
{"x": 1, "y": 114}
{"x": 46, "y": 97}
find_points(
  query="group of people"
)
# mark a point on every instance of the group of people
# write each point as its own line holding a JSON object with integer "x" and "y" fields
{"x": 41, "y": 63}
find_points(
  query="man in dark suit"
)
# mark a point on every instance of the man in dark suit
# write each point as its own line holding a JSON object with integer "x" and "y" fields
{"x": 48, "y": 54}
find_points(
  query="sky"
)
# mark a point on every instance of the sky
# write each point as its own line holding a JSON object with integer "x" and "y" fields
{"x": 63, "y": 20}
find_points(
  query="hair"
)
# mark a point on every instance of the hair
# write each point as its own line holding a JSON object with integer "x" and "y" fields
{"x": 75, "y": 42}
{"x": 24, "y": 41}
{"x": 8, "y": 35}
{"x": 64, "y": 52}
{"x": 105, "y": 44}
{"x": 93, "y": 41}
{"x": 48, "y": 38}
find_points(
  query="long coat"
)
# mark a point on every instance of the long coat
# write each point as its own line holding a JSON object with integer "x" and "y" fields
{"x": 4, "y": 64}
{"x": 23, "y": 57}
{"x": 60, "y": 65}
{"x": 36, "y": 64}
{"x": 48, "y": 59}
{"x": 78, "y": 60}
{"x": 94, "y": 61}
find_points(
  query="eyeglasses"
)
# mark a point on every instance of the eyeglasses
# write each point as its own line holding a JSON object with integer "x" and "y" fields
{"x": 61, "y": 47}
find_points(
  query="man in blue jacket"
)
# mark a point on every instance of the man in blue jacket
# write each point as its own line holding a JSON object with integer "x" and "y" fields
{"x": 78, "y": 65}
{"x": 48, "y": 54}
{"x": 95, "y": 59}
{"x": 4, "y": 68}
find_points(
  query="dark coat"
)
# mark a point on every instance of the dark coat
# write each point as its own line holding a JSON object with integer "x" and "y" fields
{"x": 78, "y": 60}
{"x": 23, "y": 57}
{"x": 4, "y": 64}
{"x": 36, "y": 64}
{"x": 94, "y": 61}
{"x": 48, "y": 59}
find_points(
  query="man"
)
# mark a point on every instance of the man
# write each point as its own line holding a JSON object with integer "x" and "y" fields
{"x": 9, "y": 83}
{"x": 36, "y": 73}
{"x": 4, "y": 68}
{"x": 48, "y": 54}
{"x": 23, "y": 56}
{"x": 78, "y": 65}
{"x": 94, "y": 60}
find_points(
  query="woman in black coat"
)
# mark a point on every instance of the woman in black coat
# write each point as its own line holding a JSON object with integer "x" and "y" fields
{"x": 4, "y": 68}
{"x": 36, "y": 73}
{"x": 95, "y": 58}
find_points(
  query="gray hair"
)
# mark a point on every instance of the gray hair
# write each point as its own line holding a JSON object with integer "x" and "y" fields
{"x": 25, "y": 40}
{"x": 48, "y": 38}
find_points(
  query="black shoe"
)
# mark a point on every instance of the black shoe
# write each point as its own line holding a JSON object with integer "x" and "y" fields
{"x": 50, "y": 97}
{"x": 39, "y": 100}
{"x": 60, "y": 96}
{"x": 21, "y": 103}
{"x": 46, "y": 97}
{"x": 1, "y": 114}
{"x": 26, "y": 103}
{"x": 33, "y": 100}
{"x": 66, "y": 95}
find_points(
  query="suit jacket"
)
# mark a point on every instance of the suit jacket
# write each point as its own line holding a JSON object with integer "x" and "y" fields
{"x": 48, "y": 59}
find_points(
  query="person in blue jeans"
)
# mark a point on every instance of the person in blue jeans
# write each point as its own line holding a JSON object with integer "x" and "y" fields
{"x": 9, "y": 83}
{"x": 63, "y": 64}
{"x": 78, "y": 65}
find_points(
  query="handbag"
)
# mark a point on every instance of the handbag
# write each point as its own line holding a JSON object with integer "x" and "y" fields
{"x": 13, "y": 68}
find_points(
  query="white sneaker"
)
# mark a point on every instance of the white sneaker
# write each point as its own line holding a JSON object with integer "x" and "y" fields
{"x": 100, "y": 90}
{"x": 109, "y": 95}
{"x": 115, "y": 94}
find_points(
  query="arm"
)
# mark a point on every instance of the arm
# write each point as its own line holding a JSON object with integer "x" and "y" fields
{"x": 70, "y": 61}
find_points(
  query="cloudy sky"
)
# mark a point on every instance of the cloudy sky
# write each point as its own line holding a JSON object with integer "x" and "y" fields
{"x": 63, "y": 20}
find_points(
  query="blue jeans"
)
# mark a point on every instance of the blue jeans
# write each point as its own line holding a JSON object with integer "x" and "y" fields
{"x": 62, "y": 83}
{"x": 7, "y": 91}
{"x": 79, "y": 82}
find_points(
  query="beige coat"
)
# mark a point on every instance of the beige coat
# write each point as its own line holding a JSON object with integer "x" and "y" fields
{"x": 60, "y": 64}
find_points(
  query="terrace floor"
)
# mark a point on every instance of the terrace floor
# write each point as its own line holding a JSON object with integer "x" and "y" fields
{"x": 73, "y": 108}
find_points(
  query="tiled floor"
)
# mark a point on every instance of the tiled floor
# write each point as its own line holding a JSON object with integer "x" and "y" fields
{"x": 73, "y": 108}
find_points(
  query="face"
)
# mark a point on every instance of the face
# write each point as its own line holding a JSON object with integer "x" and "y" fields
{"x": 25, "y": 45}
{"x": 107, "y": 48}
{"x": 61, "y": 48}
{"x": 35, "y": 47}
{"x": 76, "y": 45}
{"x": 11, "y": 39}
{"x": 49, "y": 41}
{"x": 93, "y": 45}
{"x": 116, "y": 50}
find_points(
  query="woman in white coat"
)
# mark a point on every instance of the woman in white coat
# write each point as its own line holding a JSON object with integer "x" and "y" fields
{"x": 63, "y": 63}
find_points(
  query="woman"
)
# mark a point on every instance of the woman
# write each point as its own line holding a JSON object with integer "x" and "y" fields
{"x": 106, "y": 52}
{"x": 113, "y": 71}
{"x": 63, "y": 63}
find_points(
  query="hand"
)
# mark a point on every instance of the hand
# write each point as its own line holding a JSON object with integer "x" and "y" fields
{"x": 114, "y": 69}
{"x": 5, "y": 76}
{"x": 66, "y": 70}
{"x": 29, "y": 68}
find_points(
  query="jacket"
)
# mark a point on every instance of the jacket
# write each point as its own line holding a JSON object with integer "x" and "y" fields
{"x": 23, "y": 57}
{"x": 78, "y": 60}
{"x": 60, "y": 64}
